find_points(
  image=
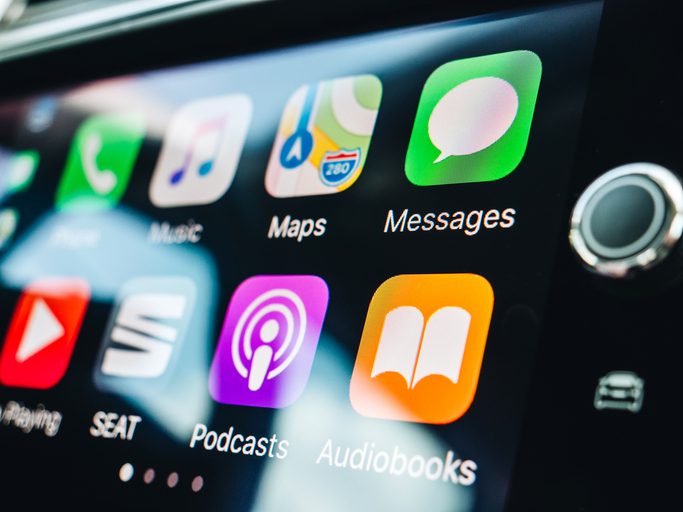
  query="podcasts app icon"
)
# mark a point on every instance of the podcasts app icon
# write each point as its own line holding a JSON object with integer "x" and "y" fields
{"x": 268, "y": 341}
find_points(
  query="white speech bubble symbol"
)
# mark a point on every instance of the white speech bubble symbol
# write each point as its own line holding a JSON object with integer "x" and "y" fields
{"x": 472, "y": 116}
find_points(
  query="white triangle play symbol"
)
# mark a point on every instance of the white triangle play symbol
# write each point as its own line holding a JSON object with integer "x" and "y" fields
{"x": 42, "y": 329}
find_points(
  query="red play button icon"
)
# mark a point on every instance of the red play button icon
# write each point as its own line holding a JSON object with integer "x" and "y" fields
{"x": 43, "y": 332}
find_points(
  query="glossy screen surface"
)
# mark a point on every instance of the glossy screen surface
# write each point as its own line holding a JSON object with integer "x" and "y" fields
{"x": 306, "y": 279}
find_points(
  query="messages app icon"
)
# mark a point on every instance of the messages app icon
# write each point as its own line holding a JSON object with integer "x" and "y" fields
{"x": 473, "y": 119}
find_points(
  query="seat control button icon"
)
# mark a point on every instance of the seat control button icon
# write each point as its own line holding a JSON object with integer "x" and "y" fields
{"x": 620, "y": 391}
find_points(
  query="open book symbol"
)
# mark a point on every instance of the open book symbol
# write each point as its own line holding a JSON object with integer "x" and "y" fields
{"x": 414, "y": 350}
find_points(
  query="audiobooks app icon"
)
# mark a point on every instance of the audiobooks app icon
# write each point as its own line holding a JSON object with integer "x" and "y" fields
{"x": 422, "y": 347}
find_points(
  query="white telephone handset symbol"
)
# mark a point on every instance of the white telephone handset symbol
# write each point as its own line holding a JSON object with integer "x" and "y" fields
{"x": 102, "y": 181}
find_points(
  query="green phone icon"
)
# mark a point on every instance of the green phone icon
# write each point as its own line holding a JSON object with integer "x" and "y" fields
{"x": 473, "y": 119}
{"x": 100, "y": 162}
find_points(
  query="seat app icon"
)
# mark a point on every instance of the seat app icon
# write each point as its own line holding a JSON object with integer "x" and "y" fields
{"x": 473, "y": 119}
{"x": 100, "y": 162}
{"x": 200, "y": 152}
{"x": 324, "y": 136}
{"x": 43, "y": 332}
{"x": 422, "y": 347}
{"x": 146, "y": 332}
{"x": 268, "y": 341}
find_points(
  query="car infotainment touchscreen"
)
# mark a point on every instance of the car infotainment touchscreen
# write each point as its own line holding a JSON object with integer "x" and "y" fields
{"x": 306, "y": 278}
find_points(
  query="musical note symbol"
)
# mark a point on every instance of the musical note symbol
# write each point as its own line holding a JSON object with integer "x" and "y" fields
{"x": 202, "y": 150}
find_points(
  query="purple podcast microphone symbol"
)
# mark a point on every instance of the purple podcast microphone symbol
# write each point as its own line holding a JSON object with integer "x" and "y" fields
{"x": 268, "y": 341}
{"x": 269, "y": 332}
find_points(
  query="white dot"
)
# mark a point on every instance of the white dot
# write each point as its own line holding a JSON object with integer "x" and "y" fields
{"x": 172, "y": 480}
{"x": 197, "y": 483}
{"x": 126, "y": 472}
{"x": 269, "y": 330}
{"x": 149, "y": 475}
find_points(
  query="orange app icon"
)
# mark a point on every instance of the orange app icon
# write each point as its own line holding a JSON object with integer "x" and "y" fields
{"x": 422, "y": 347}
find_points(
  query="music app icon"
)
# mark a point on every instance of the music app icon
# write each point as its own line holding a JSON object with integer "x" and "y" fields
{"x": 201, "y": 150}
{"x": 268, "y": 341}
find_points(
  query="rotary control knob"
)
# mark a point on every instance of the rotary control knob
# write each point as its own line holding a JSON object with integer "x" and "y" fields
{"x": 628, "y": 220}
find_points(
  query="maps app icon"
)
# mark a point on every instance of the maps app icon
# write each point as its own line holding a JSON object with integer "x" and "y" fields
{"x": 324, "y": 136}
{"x": 268, "y": 341}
